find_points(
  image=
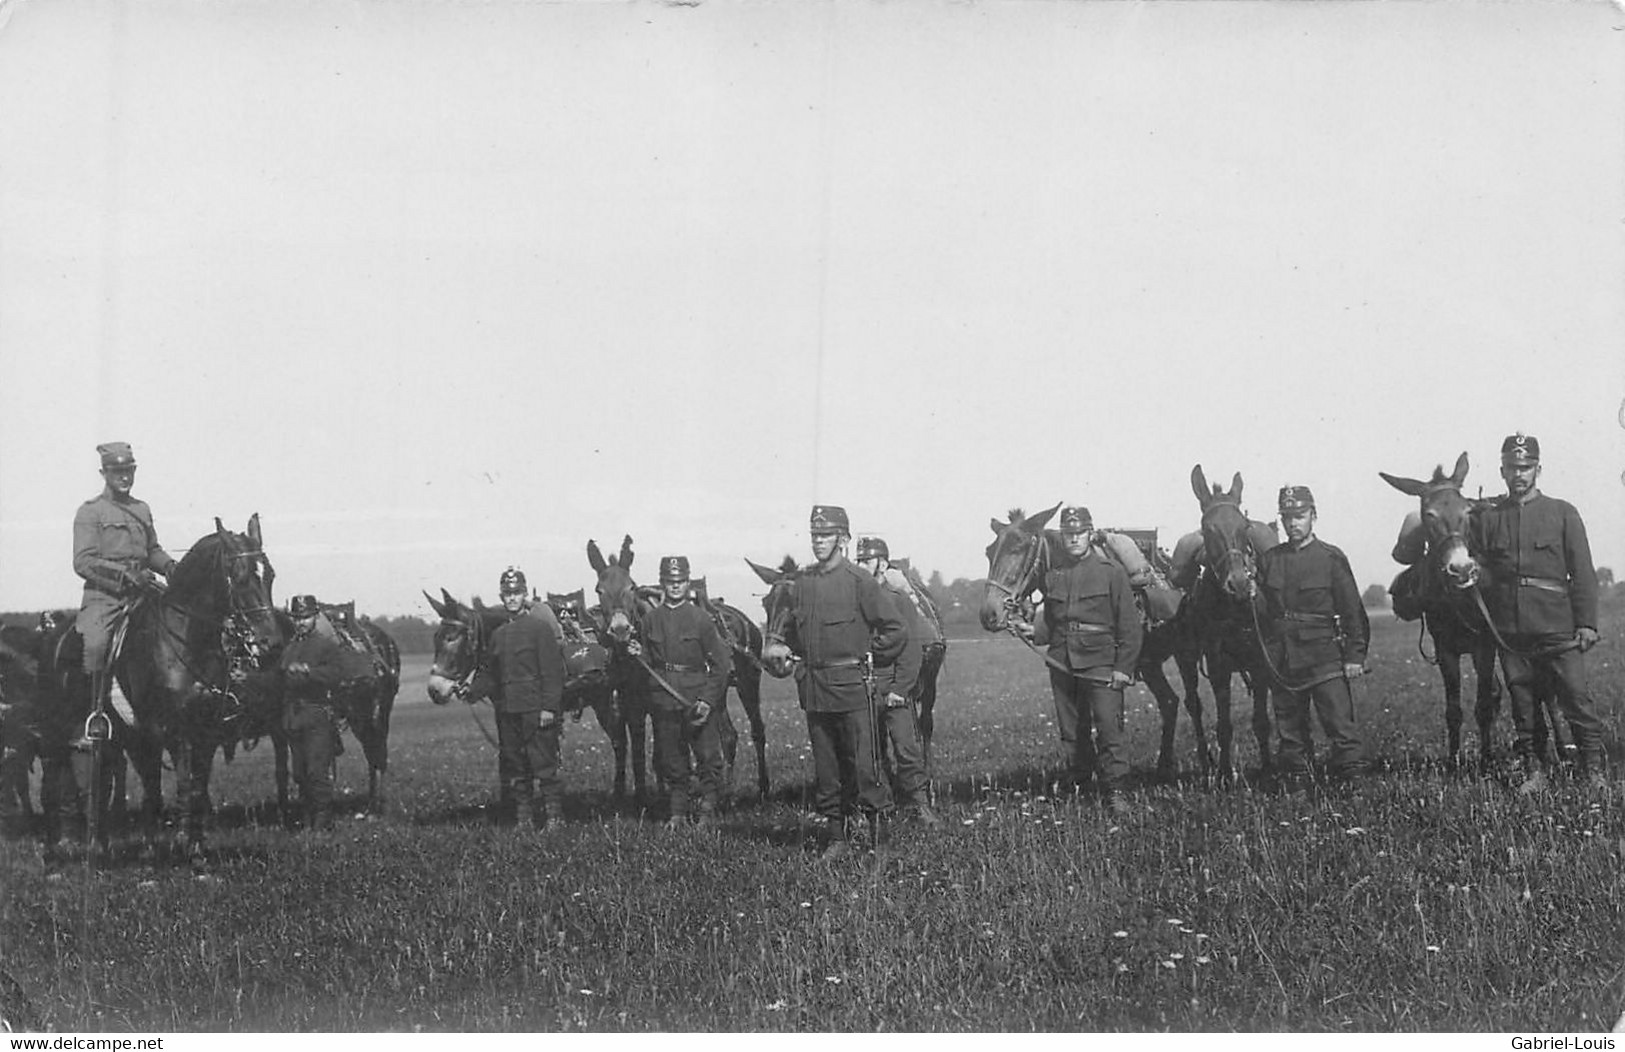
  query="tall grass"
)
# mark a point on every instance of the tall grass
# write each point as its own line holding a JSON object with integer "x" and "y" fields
{"x": 1416, "y": 900}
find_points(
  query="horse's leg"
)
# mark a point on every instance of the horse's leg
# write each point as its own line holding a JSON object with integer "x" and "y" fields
{"x": 375, "y": 746}
{"x": 638, "y": 725}
{"x": 202, "y": 762}
{"x": 608, "y": 715}
{"x": 1167, "y": 708}
{"x": 1489, "y": 697}
{"x": 748, "y": 682}
{"x": 1259, "y": 686}
{"x": 1218, "y": 673}
{"x": 1188, "y": 660}
{"x": 1449, "y": 662}
{"x": 930, "y": 669}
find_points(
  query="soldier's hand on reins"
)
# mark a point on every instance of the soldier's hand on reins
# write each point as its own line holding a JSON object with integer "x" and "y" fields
{"x": 1024, "y": 629}
{"x": 1353, "y": 669}
{"x": 698, "y": 714}
{"x": 549, "y": 718}
{"x": 1121, "y": 680}
{"x": 1587, "y": 637}
{"x": 895, "y": 700}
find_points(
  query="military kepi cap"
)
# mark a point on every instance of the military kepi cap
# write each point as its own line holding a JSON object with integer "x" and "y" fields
{"x": 673, "y": 568}
{"x": 828, "y": 518}
{"x": 303, "y": 606}
{"x": 1075, "y": 518}
{"x": 1520, "y": 449}
{"x": 1295, "y": 499}
{"x": 116, "y": 455}
{"x": 512, "y": 581}
{"x": 872, "y": 548}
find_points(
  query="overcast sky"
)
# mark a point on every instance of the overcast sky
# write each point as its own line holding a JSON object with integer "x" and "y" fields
{"x": 440, "y": 287}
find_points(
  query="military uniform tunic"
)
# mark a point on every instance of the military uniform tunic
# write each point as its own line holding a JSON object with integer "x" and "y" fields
{"x": 524, "y": 677}
{"x": 1316, "y": 625}
{"x": 840, "y": 615}
{"x": 902, "y": 752}
{"x": 1540, "y": 586}
{"x": 683, "y": 645}
{"x": 307, "y": 716}
{"x": 113, "y": 541}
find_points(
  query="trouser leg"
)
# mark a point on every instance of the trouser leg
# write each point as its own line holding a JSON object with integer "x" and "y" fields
{"x": 1334, "y": 705}
{"x": 1107, "y": 716}
{"x": 822, "y": 736}
{"x": 1581, "y": 710}
{"x": 1064, "y": 689}
{"x": 671, "y": 758}
{"x": 908, "y": 779}
{"x": 705, "y": 742}
{"x": 1520, "y": 675}
{"x": 1297, "y": 750}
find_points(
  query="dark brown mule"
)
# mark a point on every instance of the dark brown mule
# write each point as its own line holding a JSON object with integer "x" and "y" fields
{"x": 1227, "y": 609}
{"x": 1449, "y": 614}
{"x": 744, "y": 642}
{"x": 1022, "y": 552}
{"x": 183, "y": 654}
{"x": 621, "y": 605}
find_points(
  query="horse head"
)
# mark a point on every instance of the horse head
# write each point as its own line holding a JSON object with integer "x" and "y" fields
{"x": 620, "y": 600}
{"x": 1445, "y": 514}
{"x": 459, "y": 646}
{"x": 1231, "y": 542}
{"x": 780, "y": 606}
{"x": 1013, "y": 564}
{"x": 226, "y": 579}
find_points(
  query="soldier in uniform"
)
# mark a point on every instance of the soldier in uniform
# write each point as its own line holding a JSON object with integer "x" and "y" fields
{"x": 685, "y": 649}
{"x": 1541, "y": 591}
{"x": 844, "y": 626}
{"x": 897, "y": 688}
{"x": 314, "y": 665}
{"x": 1318, "y": 633}
{"x": 524, "y": 677}
{"x": 1092, "y": 628}
{"x": 116, "y": 551}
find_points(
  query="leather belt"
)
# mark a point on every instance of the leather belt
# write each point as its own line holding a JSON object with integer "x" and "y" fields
{"x": 844, "y": 663}
{"x": 1311, "y": 619}
{"x": 1086, "y": 626}
{"x": 669, "y": 666}
{"x": 1545, "y": 584}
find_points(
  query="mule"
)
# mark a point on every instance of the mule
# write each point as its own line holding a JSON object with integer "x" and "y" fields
{"x": 1227, "y": 609}
{"x": 621, "y": 605}
{"x": 176, "y": 666}
{"x": 1447, "y": 572}
{"x": 1023, "y": 551}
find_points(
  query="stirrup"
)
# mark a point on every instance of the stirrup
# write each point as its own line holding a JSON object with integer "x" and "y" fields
{"x": 98, "y": 728}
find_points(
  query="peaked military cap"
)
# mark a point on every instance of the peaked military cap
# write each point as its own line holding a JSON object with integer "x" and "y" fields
{"x": 513, "y": 580}
{"x": 828, "y": 518}
{"x": 116, "y": 455}
{"x": 1520, "y": 449}
{"x": 1295, "y": 499}
{"x": 673, "y": 568}
{"x": 872, "y": 548}
{"x": 1075, "y": 518}
{"x": 304, "y": 606}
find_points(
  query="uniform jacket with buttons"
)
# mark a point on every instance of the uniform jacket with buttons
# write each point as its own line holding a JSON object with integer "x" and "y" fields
{"x": 1537, "y": 573}
{"x": 840, "y": 615}
{"x": 329, "y": 662}
{"x": 902, "y": 676}
{"x": 682, "y": 644}
{"x": 1089, "y": 620}
{"x": 1316, "y": 619}
{"x": 113, "y": 540}
{"x": 524, "y": 666}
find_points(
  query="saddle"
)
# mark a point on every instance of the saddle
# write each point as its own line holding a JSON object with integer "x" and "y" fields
{"x": 1136, "y": 552}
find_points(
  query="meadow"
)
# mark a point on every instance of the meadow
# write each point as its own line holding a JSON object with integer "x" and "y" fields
{"x": 1419, "y": 900}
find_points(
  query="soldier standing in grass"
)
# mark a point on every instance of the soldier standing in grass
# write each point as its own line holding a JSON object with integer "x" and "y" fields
{"x": 524, "y": 678}
{"x": 897, "y": 690}
{"x": 683, "y": 646}
{"x": 1541, "y": 591}
{"x": 1092, "y": 628}
{"x": 313, "y": 667}
{"x": 1318, "y": 634}
{"x": 845, "y": 627}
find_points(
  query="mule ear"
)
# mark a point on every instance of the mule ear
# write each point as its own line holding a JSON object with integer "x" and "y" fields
{"x": 767, "y": 575}
{"x": 1199, "y": 486}
{"x": 1235, "y": 488}
{"x": 1459, "y": 475}
{"x": 219, "y": 527}
{"x": 254, "y": 528}
{"x": 595, "y": 558}
{"x": 1036, "y": 522}
{"x": 626, "y": 552}
{"x": 438, "y": 607}
{"x": 1412, "y": 487}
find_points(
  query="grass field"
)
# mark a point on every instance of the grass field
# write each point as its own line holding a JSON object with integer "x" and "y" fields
{"x": 1422, "y": 900}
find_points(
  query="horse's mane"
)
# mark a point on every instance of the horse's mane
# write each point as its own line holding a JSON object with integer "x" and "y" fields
{"x": 788, "y": 566}
{"x": 197, "y": 564}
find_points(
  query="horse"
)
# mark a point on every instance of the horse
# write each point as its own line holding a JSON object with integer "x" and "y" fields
{"x": 1227, "y": 608}
{"x": 1021, "y": 554}
{"x": 464, "y": 633}
{"x": 19, "y": 710}
{"x": 744, "y": 641}
{"x": 1447, "y": 572}
{"x": 182, "y": 651}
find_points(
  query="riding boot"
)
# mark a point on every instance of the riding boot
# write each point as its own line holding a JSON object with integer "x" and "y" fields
{"x": 678, "y": 814}
{"x": 1534, "y": 780}
{"x": 524, "y": 802}
{"x": 1593, "y": 768}
{"x": 837, "y": 839}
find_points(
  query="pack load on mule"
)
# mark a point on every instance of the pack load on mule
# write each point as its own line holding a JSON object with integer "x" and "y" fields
{"x": 1135, "y": 550}
{"x": 586, "y": 662}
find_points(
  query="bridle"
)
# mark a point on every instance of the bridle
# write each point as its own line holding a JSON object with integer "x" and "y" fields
{"x": 1032, "y": 565}
{"x": 237, "y": 641}
{"x": 1232, "y": 554}
{"x": 474, "y": 631}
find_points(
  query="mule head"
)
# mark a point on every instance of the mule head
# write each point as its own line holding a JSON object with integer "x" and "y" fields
{"x": 1445, "y": 513}
{"x": 1013, "y": 561}
{"x": 779, "y": 606}
{"x": 458, "y": 643}
{"x": 619, "y": 598}
{"x": 1231, "y": 542}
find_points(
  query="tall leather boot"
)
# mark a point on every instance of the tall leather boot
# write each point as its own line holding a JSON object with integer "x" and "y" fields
{"x": 837, "y": 839}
